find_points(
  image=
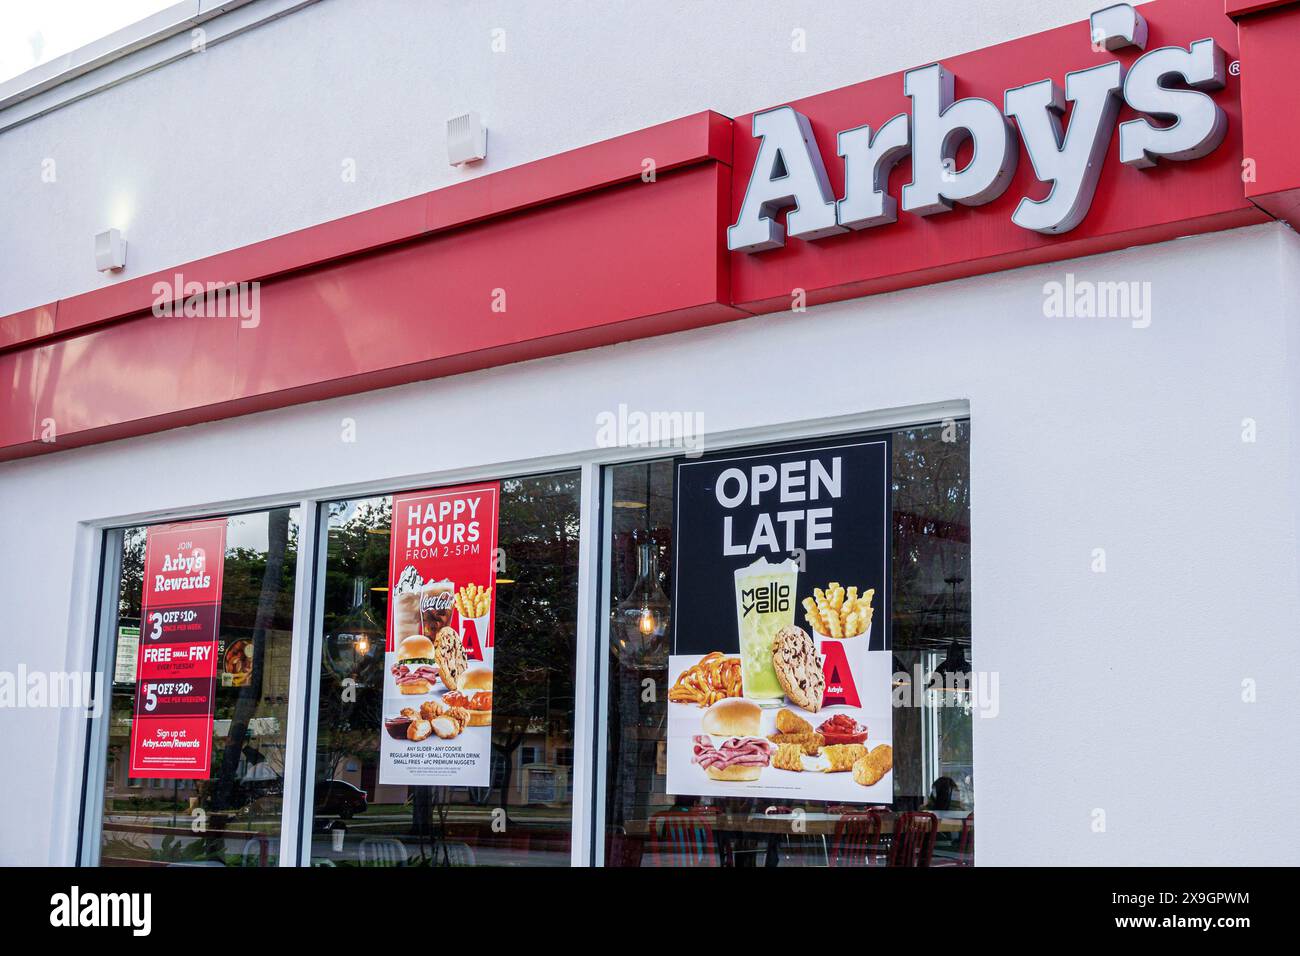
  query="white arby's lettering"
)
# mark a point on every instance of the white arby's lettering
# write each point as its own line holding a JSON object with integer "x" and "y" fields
{"x": 1168, "y": 84}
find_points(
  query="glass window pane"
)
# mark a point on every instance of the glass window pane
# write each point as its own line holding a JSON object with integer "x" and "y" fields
{"x": 932, "y": 619}
{"x": 524, "y": 816}
{"x": 231, "y": 817}
{"x": 933, "y": 770}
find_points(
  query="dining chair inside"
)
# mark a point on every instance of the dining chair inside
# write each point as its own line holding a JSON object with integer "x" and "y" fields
{"x": 856, "y": 841}
{"x": 966, "y": 842}
{"x": 383, "y": 851}
{"x": 683, "y": 839}
{"x": 914, "y": 834}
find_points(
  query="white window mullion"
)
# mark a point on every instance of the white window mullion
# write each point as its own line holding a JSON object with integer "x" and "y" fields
{"x": 103, "y": 550}
{"x": 300, "y": 729}
{"x": 586, "y": 694}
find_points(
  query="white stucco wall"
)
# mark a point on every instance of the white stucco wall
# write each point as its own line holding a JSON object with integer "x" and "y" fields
{"x": 1119, "y": 691}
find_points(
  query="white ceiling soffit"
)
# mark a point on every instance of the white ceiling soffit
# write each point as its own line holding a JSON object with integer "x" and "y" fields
{"x": 139, "y": 48}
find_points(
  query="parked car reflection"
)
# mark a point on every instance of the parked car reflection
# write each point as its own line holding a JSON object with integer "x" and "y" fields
{"x": 338, "y": 798}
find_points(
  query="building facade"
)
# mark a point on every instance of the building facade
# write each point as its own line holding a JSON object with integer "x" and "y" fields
{"x": 1076, "y": 340}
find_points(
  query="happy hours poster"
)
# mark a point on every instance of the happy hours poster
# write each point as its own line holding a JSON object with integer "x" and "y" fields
{"x": 171, "y": 730}
{"x": 437, "y": 715}
{"x": 779, "y": 677}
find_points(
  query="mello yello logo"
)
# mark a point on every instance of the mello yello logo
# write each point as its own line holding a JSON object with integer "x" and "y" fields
{"x": 789, "y": 170}
{"x": 767, "y": 599}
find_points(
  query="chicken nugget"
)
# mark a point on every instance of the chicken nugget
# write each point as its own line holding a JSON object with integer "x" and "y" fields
{"x": 446, "y": 726}
{"x": 788, "y": 757}
{"x": 430, "y": 709}
{"x": 841, "y": 757}
{"x": 871, "y": 768}
{"x": 788, "y": 722}
{"x": 882, "y": 757}
{"x": 865, "y": 772}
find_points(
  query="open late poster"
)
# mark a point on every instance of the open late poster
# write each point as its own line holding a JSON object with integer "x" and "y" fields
{"x": 171, "y": 730}
{"x": 779, "y": 677}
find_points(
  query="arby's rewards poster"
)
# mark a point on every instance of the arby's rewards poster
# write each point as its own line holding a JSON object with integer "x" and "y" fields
{"x": 437, "y": 715}
{"x": 780, "y": 672}
{"x": 176, "y": 667}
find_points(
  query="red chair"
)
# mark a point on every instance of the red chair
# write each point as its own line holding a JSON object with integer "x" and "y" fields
{"x": 914, "y": 834}
{"x": 683, "y": 839}
{"x": 963, "y": 852}
{"x": 966, "y": 842}
{"x": 856, "y": 841}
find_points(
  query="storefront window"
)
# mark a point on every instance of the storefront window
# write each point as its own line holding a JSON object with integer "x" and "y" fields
{"x": 194, "y": 766}
{"x": 471, "y": 627}
{"x": 926, "y": 817}
{"x": 831, "y": 578}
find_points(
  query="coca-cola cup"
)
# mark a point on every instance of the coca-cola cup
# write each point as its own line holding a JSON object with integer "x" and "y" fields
{"x": 437, "y": 601}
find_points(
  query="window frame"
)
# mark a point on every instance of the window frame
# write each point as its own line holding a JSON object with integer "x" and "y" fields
{"x": 579, "y": 846}
{"x": 108, "y": 540}
{"x": 96, "y": 577}
{"x": 849, "y": 427}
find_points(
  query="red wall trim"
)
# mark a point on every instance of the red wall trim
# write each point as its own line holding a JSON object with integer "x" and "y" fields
{"x": 28, "y": 325}
{"x": 589, "y": 254}
{"x": 1240, "y": 8}
{"x": 627, "y": 261}
{"x": 701, "y": 137}
{"x": 1270, "y": 42}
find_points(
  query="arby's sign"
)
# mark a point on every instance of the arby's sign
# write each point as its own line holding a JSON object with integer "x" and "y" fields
{"x": 1167, "y": 88}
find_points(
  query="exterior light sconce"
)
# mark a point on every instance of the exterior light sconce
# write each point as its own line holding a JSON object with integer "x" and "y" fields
{"x": 110, "y": 251}
{"x": 466, "y": 139}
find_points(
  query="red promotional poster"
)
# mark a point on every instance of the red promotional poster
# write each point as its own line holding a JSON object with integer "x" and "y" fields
{"x": 440, "y": 637}
{"x": 176, "y": 667}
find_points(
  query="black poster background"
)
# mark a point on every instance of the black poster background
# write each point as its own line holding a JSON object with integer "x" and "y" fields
{"x": 704, "y": 601}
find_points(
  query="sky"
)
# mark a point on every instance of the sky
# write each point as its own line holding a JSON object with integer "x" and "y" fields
{"x": 33, "y": 32}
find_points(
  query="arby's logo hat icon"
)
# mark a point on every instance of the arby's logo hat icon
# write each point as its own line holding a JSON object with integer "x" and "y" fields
{"x": 841, "y": 688}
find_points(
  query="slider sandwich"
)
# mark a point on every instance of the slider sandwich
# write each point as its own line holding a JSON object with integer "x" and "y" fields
{"x": 415, "y": 670}
{"x": 741, "y": 754}
{"x": 475, "y": 696}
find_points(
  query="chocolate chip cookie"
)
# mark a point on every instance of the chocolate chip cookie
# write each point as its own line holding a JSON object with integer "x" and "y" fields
{"x": 794, "y": 657}
{"x": 449, "y": 652}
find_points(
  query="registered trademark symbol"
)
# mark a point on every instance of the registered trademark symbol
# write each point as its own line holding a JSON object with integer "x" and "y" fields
{"x": 1235, "y": 67}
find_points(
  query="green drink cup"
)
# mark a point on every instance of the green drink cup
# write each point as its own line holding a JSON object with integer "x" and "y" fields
{"x": 765, "y": 603}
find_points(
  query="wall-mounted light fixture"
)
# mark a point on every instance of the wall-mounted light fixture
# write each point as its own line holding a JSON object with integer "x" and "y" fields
{"x": 1118, "y": 27}
{"x": 110, "y": 251}
{"x": 466, "y": 139}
